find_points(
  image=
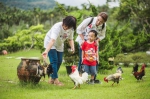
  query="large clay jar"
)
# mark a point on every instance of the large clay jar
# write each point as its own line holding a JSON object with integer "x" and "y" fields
{"x": 28, "y": 69}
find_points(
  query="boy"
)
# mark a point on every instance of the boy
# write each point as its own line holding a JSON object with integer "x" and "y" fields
{"x": 90, "y": 55}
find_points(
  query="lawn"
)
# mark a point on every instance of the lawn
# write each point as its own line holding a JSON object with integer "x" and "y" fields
{"x": 11, "y": 88}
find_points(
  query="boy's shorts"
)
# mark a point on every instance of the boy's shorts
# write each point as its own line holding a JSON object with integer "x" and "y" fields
{"x": 90, "y": 69}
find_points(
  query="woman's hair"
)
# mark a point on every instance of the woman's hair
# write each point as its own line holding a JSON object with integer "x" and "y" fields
{"x": 94, "y": 31}
{"x": 104, "y": 15}
{"x": 70, "y": 21}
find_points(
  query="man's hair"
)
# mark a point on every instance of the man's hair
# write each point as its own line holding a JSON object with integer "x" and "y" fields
{"x": 104, "y": 15}
{"x": 70, "y": 21}
{"x": 94, "y": 31}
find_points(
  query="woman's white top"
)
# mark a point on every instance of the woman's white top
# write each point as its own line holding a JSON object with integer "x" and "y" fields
{"x": 84, "y": 29}
{"x": 59, "y": 35}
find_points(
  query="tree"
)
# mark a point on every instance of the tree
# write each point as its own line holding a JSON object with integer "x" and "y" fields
{"x": 136, "y": 12}
{"x": 25, "y": 39}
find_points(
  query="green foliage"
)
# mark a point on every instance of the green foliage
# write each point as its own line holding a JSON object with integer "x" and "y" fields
{"x": 137, "y": 12}
{"x": 81, "y": 14}
{"x": 62, "y": 9}
{"x": 111, "y": 45}
{"x": 133, "y": 43}
{"x": 127, "y": 27}
{"x": 93, "y": 9}
{"x": 25, "y": 39}
{"x": 140, "y": 57}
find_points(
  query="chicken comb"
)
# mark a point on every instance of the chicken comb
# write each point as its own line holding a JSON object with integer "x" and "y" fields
{"x": 105, "y": 79}
{"x": 73, "y": 66}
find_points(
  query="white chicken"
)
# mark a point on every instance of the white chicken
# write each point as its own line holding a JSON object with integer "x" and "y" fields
{"x": 114, "y": 77}
{"x": 76, "y": 78}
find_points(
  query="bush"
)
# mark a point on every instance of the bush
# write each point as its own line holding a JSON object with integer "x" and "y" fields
{"x": 139, "y": 57}
{"x": 119, "y": 59}
{"x": 70, "y": 60}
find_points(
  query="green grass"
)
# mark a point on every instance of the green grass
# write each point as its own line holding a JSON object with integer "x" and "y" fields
{"x": 11, "y": 88}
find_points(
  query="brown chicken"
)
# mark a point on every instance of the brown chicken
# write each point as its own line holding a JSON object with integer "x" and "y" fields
{"x": 139, "y": 75}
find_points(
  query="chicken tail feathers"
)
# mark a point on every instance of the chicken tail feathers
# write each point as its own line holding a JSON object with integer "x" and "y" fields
{"x": 84, "y": 77}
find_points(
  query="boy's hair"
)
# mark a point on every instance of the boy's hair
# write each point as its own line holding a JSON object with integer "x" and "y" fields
{"x": 94, "y": 31}
{"x": 70, "y": 21}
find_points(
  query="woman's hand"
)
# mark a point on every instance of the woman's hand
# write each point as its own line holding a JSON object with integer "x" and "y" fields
{"x": 98, "y": 61}
{"x": 71, "y": 50}
{"x": 44, "y": 54}
{"x": 97, "y": 42}
{"x": 82, "y": 42}
{"x": 82, "y": 60}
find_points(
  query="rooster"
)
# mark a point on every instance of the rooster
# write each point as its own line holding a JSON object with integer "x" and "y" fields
{"x": 44, "y": 69}
{"x": 76, "y": 78}
{"x": 114, "y": 77}
{"x": 140, "y": 74}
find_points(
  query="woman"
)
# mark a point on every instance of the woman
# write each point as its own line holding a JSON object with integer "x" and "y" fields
{"x": 96, "y": 23}
{"x": 54, "y": 44}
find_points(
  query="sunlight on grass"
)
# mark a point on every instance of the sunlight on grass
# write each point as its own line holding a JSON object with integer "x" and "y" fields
{"x": 11, "y": 88}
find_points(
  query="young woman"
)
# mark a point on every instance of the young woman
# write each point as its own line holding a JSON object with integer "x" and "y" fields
{"x": 90, "y": 55}
{"x": 54, "y": 44}
{"x": 97, "y": 23}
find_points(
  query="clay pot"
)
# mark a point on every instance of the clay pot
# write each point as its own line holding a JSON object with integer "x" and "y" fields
{"x": 29, "y": 70}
